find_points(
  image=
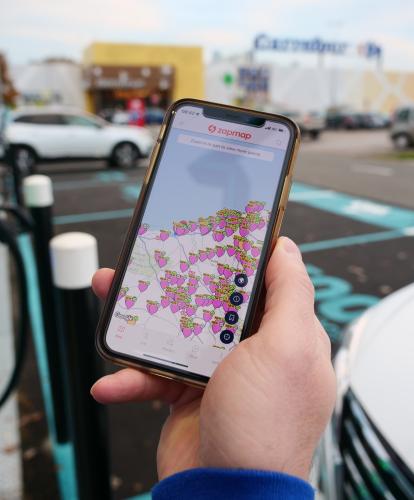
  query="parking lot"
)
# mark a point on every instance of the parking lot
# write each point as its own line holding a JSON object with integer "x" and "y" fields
{"x": 352, "y": 213}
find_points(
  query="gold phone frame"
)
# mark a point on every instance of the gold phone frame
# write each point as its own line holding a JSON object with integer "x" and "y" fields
{"x": 277, "y": 213}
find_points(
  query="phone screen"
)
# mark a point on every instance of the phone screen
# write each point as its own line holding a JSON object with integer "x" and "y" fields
{"x": 187, "y": 287}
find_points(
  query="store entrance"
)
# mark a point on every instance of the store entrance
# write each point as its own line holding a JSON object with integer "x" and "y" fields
{"x": 130, "y": 95}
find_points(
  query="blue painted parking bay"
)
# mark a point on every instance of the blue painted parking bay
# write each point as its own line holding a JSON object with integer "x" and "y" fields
{"x": 356, "y": 250}
{"x": 320, "y": 220}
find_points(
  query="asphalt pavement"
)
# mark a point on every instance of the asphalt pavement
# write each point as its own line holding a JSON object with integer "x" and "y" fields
{"x": 350, "y": 211}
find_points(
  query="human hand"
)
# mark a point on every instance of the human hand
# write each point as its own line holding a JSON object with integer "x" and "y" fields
{"x": 268, "y": 401}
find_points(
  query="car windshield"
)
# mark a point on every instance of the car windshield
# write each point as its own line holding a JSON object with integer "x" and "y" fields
{"x": 84, "y": 121}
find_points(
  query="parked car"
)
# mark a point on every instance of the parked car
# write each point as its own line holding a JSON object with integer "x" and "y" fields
{"x": 31, "y": 135}
{"x": 154, "y": 116}
{"x": 402, "y": 128}
{"x": 351, "y": 120}
{"x": 368, "y": 449}
{"x": 311, "y": 124}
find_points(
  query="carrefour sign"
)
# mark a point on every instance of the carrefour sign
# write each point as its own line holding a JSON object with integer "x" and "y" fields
{"x": 316, "y": 45}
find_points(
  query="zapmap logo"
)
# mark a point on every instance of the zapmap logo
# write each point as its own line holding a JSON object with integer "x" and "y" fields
{"x": 229, "y": 133}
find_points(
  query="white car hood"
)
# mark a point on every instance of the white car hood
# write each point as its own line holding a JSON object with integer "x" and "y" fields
{"x": 382, "y": 370}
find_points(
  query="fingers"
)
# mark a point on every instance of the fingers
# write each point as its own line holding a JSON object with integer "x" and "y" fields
{"x": 289, "y": 319}
{"x": 129, "y": 385}
{"x": 287, "y": 281}
{"x": 101, "y": 282}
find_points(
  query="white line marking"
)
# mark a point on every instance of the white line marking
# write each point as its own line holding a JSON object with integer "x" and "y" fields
{"x": 373, "y": 170}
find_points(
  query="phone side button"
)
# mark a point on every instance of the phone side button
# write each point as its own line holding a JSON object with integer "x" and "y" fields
{"x": 279, "y": 220}
{"x": 161, "y": 134}
{"x": 151, "y": 162}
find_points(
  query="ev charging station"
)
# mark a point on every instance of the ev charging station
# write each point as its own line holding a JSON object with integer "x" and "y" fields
{"x": 57, "y": 307}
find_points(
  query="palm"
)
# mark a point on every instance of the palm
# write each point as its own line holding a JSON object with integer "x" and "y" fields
{"x": 178, "y": 448}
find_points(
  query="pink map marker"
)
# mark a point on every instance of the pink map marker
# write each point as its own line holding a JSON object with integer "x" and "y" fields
{"x": 183, "y": 266}
{"x": 165, "y": 302}
{"x": 246, "y": 245}
{"x": 180, "y": 280}
{"x": 152, "y": 308}
{"x": 174, "y": 308}
{"x": 130, "y": 301}
{"x": 255, "y": 251}
{"x": 164, "y": 235}
{"x": 193, "y": 258}
{"x": 211, "y": 253}
{"x": 228, "y": 273}
{"x": 122, "y": 293}
{"x": 206, "y": 279}
{"x": 143, "y": 229}
{"x": 199, "y": 300}
{"x": 207, "y": 315}
{"x": 243, "y": 231}
{"x": 162, "y": 261}
{"x": 192, "y": 289}
{"x": 218, "y": 236}
{"x": 143, "y": 285}
{"x": 230, "y": 250}
{"x": 249, "y": 271}
{"x": 229, "y": 231}
{"x": 163, "y": 283}
{"x": 204, "y": 230}
{"x": 202, "y": 255}
{"x": 216, "y": 303}
{"x": 186, "y": 331}
{"x": 190, "y": 311}
{"x": 216, "y": 326}
{"x": 219, "y": 251}
{"x": 197, "y": 329}
{"x": 212, "y": 287}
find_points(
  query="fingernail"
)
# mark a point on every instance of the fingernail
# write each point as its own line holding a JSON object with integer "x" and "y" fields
{"x": 290, "y": 247}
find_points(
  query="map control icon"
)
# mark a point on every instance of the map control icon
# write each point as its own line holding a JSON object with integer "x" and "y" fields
{"x": 231, "y": 317}
{"x": 241, "y": 280}
{"x": 226, "y": 336}
{"x": 236, "y": 298}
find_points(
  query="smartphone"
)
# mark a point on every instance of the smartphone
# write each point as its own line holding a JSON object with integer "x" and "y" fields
{"x": 189, "y": 276}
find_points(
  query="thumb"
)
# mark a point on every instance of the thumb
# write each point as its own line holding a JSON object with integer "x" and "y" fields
{"x": 289, "y": 290}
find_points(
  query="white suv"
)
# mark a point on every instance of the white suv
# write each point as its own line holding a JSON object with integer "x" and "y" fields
{"x": 37, "y": 134}
{"x": 368, "y": 449}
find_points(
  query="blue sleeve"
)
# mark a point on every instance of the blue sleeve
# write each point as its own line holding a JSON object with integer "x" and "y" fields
{"x": 224, "y": 484}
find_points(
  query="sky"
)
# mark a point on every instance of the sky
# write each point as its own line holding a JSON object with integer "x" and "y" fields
{"x": 35, "y": 29}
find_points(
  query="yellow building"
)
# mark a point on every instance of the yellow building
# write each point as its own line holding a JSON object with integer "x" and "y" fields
{"x": 116, "y": 73}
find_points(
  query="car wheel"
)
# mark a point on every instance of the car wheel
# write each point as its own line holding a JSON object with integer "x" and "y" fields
{"x": 314, "y": 134}
{"x": 24, "y": 158}
{"x": 125, "y": 155}
{"x": 401, "y": 141}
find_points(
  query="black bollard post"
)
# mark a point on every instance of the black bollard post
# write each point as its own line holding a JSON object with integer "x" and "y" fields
{"x": 17, "y": 183}
{"x": 74, "y": 260}
{"x": 38, "y": 197}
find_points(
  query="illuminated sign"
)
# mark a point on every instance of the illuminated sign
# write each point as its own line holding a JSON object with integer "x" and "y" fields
{"x": 315, "y": 45}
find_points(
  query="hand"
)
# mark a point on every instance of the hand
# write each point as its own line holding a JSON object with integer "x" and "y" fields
{"x": 268, "y": 401}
